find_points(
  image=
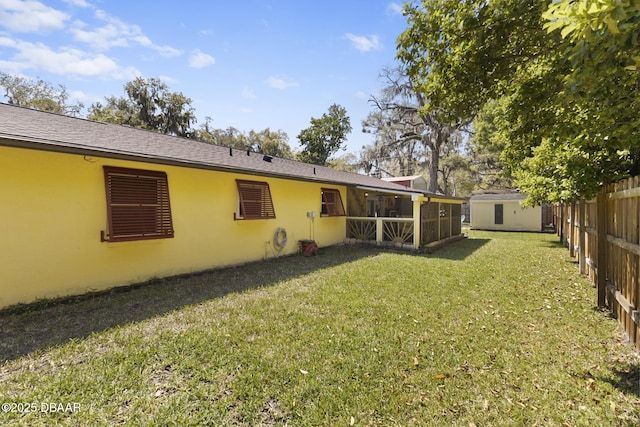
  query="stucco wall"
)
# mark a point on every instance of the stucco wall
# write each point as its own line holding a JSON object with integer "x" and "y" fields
{"x": 515, "y": 217}
{"x": 53, "y": 208}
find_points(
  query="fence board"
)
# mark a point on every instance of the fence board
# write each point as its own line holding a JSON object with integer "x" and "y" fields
{"x": 604, "y": 234}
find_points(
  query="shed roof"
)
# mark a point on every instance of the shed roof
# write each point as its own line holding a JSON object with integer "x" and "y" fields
{"x": 27, "y": 128}
{"x": 497, "y": 195}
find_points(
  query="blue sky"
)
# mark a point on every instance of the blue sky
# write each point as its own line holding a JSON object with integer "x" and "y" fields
{"x": 249, "y": 64}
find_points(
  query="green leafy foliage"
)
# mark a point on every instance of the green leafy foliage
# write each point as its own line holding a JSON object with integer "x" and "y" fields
{"x": 325, "y": 136}
{"x": 565, "y": 74}
{"x": 461, "y": 52}
{"x": 149, "y": 105}
{"x": 38, "y": 94}
{"x": 273, "y": 143}
{"x": 486, "y": 144}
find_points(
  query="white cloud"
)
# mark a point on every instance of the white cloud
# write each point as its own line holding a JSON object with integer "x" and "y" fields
{"x": 364, "y": 43}
{"x": 166, "y": 51}
{"x": 280, "y": 82}
{"x": 79, "y": 95}
{"x": 30, "y": 16}
{"x": 200, "y": 59}
{"x": 394, "y": 9}
{"x": 361, "y": 95}
{"x": 102, "y": 38}
{"x": 116, "y": 33}
{"x": 248, "y": 93}
{"x": 75, "y": 62}
{"x": 79, "y": 3}
{"x": 246, "y": 110}
{"x": 168, "y": 79}
{"x": 8, "y": 42}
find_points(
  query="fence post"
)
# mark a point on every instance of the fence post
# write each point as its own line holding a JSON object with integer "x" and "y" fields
{"x": 562, "y": 226}
{"x": 582, "y": 250}
{"x": 601, "y": 228}
{"x": 572, "y": 230}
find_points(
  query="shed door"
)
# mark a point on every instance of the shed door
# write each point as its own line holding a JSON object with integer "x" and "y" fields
{"x": 499, "y": 210}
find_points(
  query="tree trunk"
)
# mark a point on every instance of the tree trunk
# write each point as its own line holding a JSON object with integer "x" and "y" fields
{"x": 433, "y": 168}
{"x": 445, "y": 182}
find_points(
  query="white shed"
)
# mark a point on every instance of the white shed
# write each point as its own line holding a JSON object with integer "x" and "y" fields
{"x": 503, "y": 210}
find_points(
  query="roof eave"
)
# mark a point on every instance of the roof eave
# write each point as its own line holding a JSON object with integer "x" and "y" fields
{"x": 388, "y": 190}
{"x": 65, "y": 148}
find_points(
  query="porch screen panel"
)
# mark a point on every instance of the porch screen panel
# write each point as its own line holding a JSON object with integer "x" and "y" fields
{"x": 430, "y": 215}
{"x": 138, "y": 205}
{"x": 332, "y": 202}
{"x": 456, "y": 220}
{"x": 255, "y": 200}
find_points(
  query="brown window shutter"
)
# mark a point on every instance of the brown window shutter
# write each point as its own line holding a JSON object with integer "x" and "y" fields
{"x": 332, "y": 202}
{"x": 255, "y": 200}
{"x": 138, "y": 206}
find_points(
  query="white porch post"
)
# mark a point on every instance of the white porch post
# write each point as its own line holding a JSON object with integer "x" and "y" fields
{"x": 417, "y": 203}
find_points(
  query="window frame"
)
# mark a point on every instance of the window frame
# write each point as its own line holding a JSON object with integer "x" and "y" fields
{"x": 135, "y": 209}
{"x": 334, "y": 207}
{"x": 251, "y": 207}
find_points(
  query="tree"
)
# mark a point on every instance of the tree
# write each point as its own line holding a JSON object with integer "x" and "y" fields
{"x": 265, "y": 142}
{"x": 205, "y": 132}
{"x": 459, "y": 53}
{"x": 325, "y": 136}
{"x": 406, "y": 131}
{"x": 348, "y": 162}
{"x": 452, "y": 165}
{"x": 485, "y": 147}
{"x": 566, "y": 74}
{"x": 396, "y": 150}
{"x": 270, "y": 143}
{"x": 229, "y": 137}
{"x": 39, "y": 95}
{"x": 149, "y": 105}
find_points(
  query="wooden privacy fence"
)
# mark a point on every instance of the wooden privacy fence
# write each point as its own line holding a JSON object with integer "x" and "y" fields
{"x": 603, "y": 234}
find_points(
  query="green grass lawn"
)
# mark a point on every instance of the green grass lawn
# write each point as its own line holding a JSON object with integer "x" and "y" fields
{"x": 498, "y": 329}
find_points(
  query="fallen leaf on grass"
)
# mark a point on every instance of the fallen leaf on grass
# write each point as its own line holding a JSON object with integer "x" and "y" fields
{"x": 415, "y": 361}
{"x": 352, "y": 421}
{"x": 442, "y": 376}
{"x": 303, "y": 372}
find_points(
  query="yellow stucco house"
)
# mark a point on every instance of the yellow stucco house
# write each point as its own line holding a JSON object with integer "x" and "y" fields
{"x": 87, "y": 206}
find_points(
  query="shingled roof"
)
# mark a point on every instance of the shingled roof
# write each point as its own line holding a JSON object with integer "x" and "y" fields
{"x": 27, "y": 128}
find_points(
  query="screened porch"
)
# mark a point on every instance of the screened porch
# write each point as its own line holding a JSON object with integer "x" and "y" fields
{"x": 401, "y": 220}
